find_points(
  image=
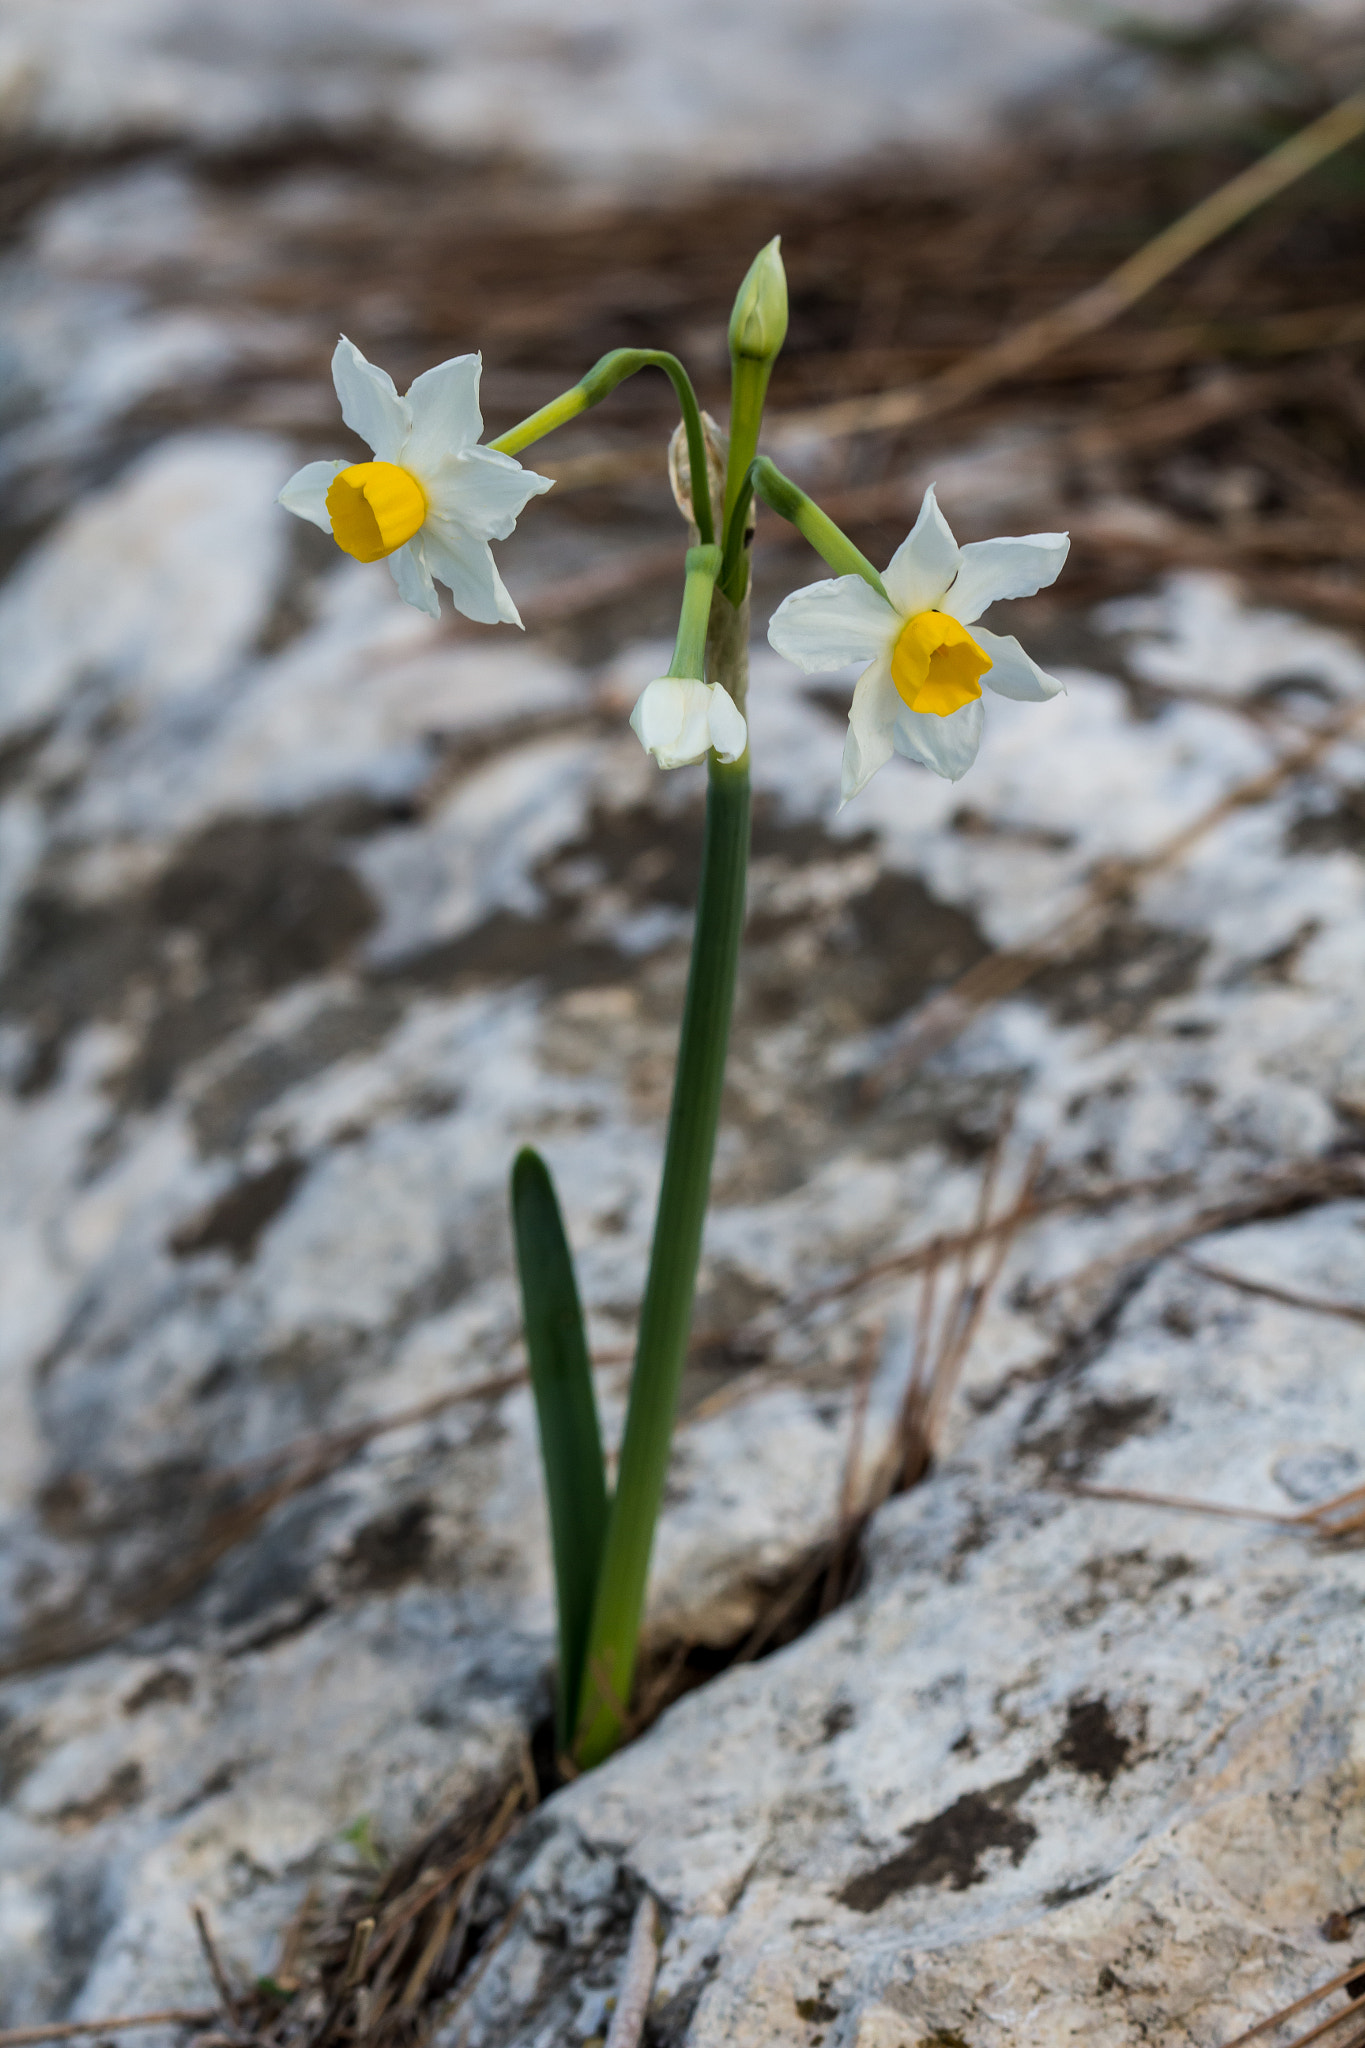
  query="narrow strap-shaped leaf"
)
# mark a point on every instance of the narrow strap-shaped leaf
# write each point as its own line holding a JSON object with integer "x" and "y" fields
{"x": 566, "y": 1407}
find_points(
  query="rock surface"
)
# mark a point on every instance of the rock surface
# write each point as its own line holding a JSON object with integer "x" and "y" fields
{"x": 630, "y": 88}
{"x": 312, "y": 911}
{"x": 280, "y": 1009}
{"x": 1065, "y": 1769}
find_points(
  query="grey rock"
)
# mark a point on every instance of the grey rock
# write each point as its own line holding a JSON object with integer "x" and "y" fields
{"x": 312, "y": 912}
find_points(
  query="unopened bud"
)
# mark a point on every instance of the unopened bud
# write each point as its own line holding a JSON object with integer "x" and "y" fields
{"x": 758, "y": 325}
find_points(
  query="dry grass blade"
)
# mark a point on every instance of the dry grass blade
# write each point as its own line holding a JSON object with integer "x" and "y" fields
{"x": 1275, "y": 1193}
{"x": 123, "y": 2023}
{"x": 1329, "y": 2025}
{"x": 376, "y": 1969}
{"x": 1001, "y": 974}
{"x": 569, "y": 597}
{"x": 1288, "y": 2012}
{"x": 1223, "y": 397}
{"x": 1136, "y": 1496}
{"x": 398, "y": 1917}
{"x": 361, "y": 1936}
{"x": 637, "y": 1977}
{"x": 221, "y": 1982}
{"x": 476, "y": 1975}
{"x": 442, "y": 1929}
{"x": 853, "y": 1461}
{"x": 923, "y": 1257}
{"x": 309, "y": 1457}
{"x": 1096, "y": 307}
{"x": 937, "y": 1363}
{"x": 1315, "y": 1304}
{"x": 1344, "y": 1515}
{"x": 275, "y": 1477}
{"x": 941, "y": 1346}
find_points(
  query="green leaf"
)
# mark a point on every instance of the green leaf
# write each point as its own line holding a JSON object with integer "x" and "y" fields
{"x": 360, "y": 1836}
{"x": 566, "y": 1407}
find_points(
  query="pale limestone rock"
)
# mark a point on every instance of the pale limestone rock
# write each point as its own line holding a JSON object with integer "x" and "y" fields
{"x": 153, "y": 590}
{"x": 635, "y": 90}
{"x": 1064, "y": 1767}
{"x": 402, "y": 1606}
{"x": 313, "y": 914}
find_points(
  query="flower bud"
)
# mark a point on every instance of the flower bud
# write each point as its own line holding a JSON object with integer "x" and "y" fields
{"x": 758, "y": 325}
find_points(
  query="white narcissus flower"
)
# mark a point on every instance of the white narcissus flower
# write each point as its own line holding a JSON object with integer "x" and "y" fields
{"x": 679, "y": 720}
{"x": 921, "y": 696}
{"x": 432, "y": 499}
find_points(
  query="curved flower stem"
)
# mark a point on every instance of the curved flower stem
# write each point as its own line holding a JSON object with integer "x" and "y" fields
{"x": 666, "y": 1313}
{"x": 764, "y": 480}
{"x": 600, "y": 381}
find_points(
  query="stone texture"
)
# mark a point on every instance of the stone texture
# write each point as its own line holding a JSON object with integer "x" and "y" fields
{"x": 312, "y": 912}
{"x": 634, "y": 89}
{"x": 279, "y": 1014}
{"x": 1070, "y": 1768}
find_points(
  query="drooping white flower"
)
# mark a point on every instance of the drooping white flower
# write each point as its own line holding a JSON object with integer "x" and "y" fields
{"x": 679, "y": 720}
{"x": 921, "y": 694}
{"x": 432, "y": 498}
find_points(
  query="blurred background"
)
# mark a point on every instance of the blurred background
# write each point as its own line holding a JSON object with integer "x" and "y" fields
{"x": 312, "y": 909}
{"x": 198, "y": 198}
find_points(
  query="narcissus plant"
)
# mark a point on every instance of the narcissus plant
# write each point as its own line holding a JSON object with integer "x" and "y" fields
{"x": 429, "y": 502}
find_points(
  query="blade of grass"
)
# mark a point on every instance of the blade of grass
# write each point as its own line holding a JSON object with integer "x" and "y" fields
{"x": 1026, "y": 345}
{"x": 566, "y": 1408}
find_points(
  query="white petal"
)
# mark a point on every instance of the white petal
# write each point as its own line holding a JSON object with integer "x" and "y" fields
{"x": 725, "y": 722}
{"x": 829, "y": 624}
{"x": 479, "y": 489}
{"x": 466, "y": 566}
{"x": 410, "y": 572}
{"x": 924, "y": 564}
{"x": 947, "y": 745}
{"x": 993, "y": 570}
{"x": 871, "y": 722}
{"x": 1012, "y": 672}
{"x": 306, "y": 492}
{"x": 672, "y": 720}
{"x": 444, "y": 404}
{"x": 508, "y": 615}
{"x": 369, "y": 404}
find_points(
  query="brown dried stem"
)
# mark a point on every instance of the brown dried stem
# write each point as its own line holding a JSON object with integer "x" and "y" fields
{"x": 1100, "y": 303}
{"x": 123, "y": 2023}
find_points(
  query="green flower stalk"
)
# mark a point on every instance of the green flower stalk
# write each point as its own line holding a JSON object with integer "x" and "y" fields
{"x": 758, "y": 328}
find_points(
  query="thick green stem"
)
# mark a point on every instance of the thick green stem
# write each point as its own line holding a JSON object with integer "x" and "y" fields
{"x": 748, "y": 389}
{"x": 666, "y": 1314}
{"x": 600, "y": 381}
{"x": 712, "y": 646}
